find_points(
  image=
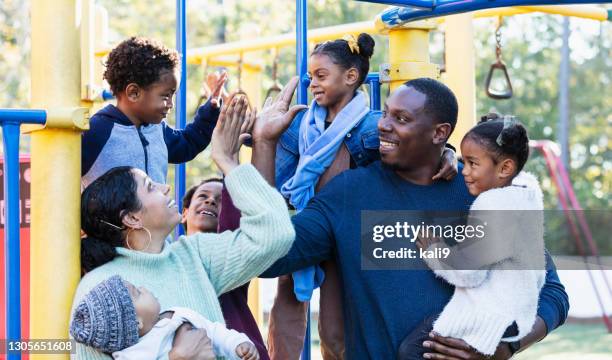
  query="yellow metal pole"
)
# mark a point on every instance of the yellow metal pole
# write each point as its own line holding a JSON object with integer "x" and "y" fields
{"x": 460, "y": 70}
{"x": 251, "y": 84}
{"x": 251, "y": 79}
{"x": 56, "y": 168}
{"x": 409, "y": 54}
{"x": 278, "y": 41}
{"x": 581, "y": 11}
{"x": 87, "y": 38}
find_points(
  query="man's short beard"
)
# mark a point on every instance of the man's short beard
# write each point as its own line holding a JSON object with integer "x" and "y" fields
{"x": 394, "y": 167}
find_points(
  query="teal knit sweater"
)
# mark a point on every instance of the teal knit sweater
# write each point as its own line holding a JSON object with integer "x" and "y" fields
{"x": 193, "y": 271}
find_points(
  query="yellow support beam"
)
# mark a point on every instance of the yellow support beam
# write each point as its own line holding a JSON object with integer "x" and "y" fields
{"x": 56, "y": 169}
{"x": 197, "y": 55}
{"x": 579, "y": 11}
{"x": 460, "y": 72}
{"x": 232, "y": 61}
{"x": 409, "y": 54}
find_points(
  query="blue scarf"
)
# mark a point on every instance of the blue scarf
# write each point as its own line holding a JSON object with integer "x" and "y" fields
{"x": 318, "y": 148}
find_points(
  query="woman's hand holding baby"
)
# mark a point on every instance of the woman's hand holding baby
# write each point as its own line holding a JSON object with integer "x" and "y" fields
{"x": 191, "y": 344}
{"x": 247, "y": 351}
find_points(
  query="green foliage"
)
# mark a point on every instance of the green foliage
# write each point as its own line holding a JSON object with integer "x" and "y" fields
{"x": 14, "y": 49}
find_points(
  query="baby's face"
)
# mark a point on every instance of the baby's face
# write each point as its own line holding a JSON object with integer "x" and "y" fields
{"x": 146, "y": 305}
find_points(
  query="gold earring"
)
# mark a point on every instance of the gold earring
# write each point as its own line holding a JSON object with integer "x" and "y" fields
{"x": 127, "y": 239}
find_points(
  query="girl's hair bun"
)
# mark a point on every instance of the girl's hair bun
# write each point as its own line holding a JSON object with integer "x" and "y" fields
{"x": 366, "y": 45}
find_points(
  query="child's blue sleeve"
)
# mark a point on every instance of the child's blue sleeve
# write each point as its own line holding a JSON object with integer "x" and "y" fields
{"x": 553, "y": 305}
{"x": 93, "y": 141}
{"x": 184, "y": 145}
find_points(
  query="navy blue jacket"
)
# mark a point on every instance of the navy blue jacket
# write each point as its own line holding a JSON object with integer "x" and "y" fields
{"x": 113, "y": 140}
{"x": 381, "y": 307}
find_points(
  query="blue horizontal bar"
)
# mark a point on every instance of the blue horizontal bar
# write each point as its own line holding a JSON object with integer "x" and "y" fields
{"x": 107, "y": 95}
{"x": 22, "y": 116}
{"x": 400, "y": 15}
{"x": 428, "y": 4}
{"x": 373, "y": 76}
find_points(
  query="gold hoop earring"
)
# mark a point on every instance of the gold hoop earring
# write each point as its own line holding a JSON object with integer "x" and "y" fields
{"x": 127, "y": 239}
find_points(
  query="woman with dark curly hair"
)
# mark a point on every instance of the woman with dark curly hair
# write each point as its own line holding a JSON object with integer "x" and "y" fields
{"x": 142, "y": 74}
{"x": 127, "y": 217}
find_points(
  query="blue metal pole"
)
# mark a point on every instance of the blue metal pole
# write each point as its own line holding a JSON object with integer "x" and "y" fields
{"x": 181, "y": 101}
{"x": 373, "y": 80}
{"x": 10, "y": 120}
{"x": 301, "y": 44}
{"x": 10, "y": 136}
{"x": 302, "y": 50}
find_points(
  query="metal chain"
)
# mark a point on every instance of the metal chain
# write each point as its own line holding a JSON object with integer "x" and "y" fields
{"x": 498, "y": 46}
{"x": 275, "y": 66}
{"x": 240, "y": 62}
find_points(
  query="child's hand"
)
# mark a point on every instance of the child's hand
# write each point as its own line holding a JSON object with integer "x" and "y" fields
{"x": 247, "y": 351}
{"x": 215, "y": 83}
{"x": 425, "y": 242}
{"x": 448, "y": 169}
{"x": 276, "y": 116}
{"x": 230, "y": 134}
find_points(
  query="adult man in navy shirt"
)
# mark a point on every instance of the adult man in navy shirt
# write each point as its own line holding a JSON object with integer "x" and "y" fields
{"x": 382, "y": 307}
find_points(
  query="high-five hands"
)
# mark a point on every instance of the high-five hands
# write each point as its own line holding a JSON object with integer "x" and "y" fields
{"x": 233, "y": 129}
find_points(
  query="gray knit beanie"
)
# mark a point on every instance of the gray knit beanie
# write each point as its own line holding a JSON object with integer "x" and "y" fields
{"x": 106, "y": 319}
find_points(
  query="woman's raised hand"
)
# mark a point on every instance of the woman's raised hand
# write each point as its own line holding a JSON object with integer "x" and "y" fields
{"x": 276, "y": 116}
{"x": 232, "y": 130}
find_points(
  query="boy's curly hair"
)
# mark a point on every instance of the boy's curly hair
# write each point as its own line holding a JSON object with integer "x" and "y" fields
{"x": 138, "y": 60}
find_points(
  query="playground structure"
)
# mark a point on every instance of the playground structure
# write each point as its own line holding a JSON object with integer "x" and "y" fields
{"x": 66, "y": 84}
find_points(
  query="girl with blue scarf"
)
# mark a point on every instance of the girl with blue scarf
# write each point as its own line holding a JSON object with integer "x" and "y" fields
{"x": 337, "y": 132}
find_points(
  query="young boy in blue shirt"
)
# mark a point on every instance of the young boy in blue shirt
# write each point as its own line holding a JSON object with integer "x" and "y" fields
{"x": 142, "y": 74}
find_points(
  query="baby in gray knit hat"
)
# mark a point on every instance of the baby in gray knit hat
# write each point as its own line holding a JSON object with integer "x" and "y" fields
{"x": 118, "y": 318}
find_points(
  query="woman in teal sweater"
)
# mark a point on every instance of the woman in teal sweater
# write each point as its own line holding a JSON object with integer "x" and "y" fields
{"x": 127, "y": 218}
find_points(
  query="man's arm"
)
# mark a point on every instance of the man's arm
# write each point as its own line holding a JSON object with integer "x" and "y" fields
{"x": 314, "y": 238}
{"x": 553, "y": 307}
{"x": 185, "y": 144}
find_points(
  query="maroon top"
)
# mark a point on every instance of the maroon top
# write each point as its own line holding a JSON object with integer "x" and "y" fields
{"x": 234, "y": 303}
